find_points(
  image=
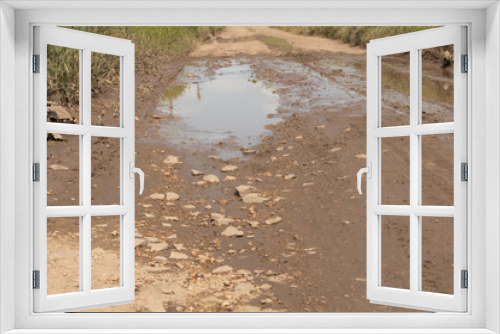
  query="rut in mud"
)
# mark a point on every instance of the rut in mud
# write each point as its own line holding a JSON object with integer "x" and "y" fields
{"x": 250, "y": 151}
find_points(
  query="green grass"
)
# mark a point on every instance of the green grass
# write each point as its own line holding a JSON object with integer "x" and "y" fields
{"x": 276, "y": 43}
{"x": 154, "y": 46}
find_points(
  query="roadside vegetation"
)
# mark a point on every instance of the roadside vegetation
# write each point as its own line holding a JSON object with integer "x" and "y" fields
{"x": 277, "y": 43}
{"x": 154, "y": 46}
{"x": 355, "y": 36}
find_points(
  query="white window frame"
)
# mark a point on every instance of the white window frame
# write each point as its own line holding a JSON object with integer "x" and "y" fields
{"x": 483, "y": 20}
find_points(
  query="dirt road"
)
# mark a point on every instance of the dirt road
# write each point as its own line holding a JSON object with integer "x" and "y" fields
{"x": 297, "y": 242}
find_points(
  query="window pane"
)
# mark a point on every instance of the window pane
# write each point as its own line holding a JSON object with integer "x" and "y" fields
{"x": 437, "y": 169}
{"x": 395, "y": 262}
{"x": 395, "y": 91}
{"x": 105, "y": 252}
{"x": 395, "y": 166}
{"x": 105, "y": 89}
{"x": 437, "y": 84}
{"x": 63, "y": 255}
{"x": 105, "y": 171}
{"x": 63, "y": 165}
{"x": 63, "y": 84}
{"x": 437, "y": 254}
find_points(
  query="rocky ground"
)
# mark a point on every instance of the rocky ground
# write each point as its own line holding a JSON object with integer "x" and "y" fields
{"x": 281, "y": 229}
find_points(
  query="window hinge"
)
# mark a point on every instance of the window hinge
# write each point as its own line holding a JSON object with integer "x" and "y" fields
{"x": 36, "y": 279}
{"x": 36, "y": 172}
{"x": 465, "y": 279}
{"x": 464, "y": 172}
{"x": 36, "y": 63}
{"x": 465, "y": 64}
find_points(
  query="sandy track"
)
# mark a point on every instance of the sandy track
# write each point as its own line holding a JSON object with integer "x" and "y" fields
{"x": 236, "y": 41}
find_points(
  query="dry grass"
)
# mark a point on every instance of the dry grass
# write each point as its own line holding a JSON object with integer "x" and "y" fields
{"x": 154, "y": 46}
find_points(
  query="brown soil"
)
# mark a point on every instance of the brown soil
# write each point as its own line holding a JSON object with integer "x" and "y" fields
{"x": 314, "y": 259}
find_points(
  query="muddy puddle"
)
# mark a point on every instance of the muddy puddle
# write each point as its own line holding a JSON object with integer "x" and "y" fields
{"x": 229, "y": 105}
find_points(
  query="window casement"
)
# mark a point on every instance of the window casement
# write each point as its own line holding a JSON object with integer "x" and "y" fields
{"x": 472, "y": 317}
{"x": 86, "y": 297}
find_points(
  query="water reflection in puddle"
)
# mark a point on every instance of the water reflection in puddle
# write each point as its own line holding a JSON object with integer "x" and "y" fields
{"x": 230, "y": 105}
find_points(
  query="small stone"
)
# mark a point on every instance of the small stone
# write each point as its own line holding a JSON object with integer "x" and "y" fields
{"x": 211, "y": 178}
{"x": 290, "y": 177}
{"x": 139, "y": 242}
{"x": 160, "y": 258}
{"x": 335, "y": 149}
{"x": 195, "y": 172}
{"x": 170, "y": 218}
{"x": 200, "y": 183}
{"x": 229, "y": 178}
{"x": 156, "y": 116}
{"x": 361, "y": 156}
{"x": 152, "y": 240}
{"x": 254, "y": 198}
{"x": 267, "y": 301}
{"x": 299, "y": 137}
{"x": 171, "y": 160}
{"x": 272, "y": 221}
{"x": 178, "y": 256}
{"x": 220, "y": 219}
{"x": 265, "y": 286}
{"x": 159, "y": 247}
{"x": 179, "y": 247}
{"x": 308, "y": 184}
{"x": 172, "y": 197}
{"x": 149, "y": 215}
{"x": 58, "y": 167}
{"x": 229, "y": 168}
{"x": 223, "y": 270}
{"x": 189, "y": 207}
{"x": 319, "y": 127}
{"x": 180, "y": 265}
{"x": 242, "y": 289}
{"x": 253, "y": 223}
{"x": 243, "y": 190}
{"x": 232, "y": 231}
{"x": 157, "y": 196}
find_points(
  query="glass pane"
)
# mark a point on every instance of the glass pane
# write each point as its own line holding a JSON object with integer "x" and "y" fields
{"x": 395, "y": 166}
{"x": 437, "y": 254}
{"x": 395, "y": 232}
{"x": 63, "y": 169}
{"x": 63, "y": 84}
{"x": 437, "y": 169}
{"x": 63, "y": 255}
{"x": 437, "y": 84}
{"x": 105, "y": 171}
{"x": 105, "y": 252}
{"x": 105, "y": 90}
{"x": 395, "y": 90}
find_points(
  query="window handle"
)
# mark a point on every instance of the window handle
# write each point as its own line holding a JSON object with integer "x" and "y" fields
{"x": 141, "y": 175}
{"x": 368, "y": 171}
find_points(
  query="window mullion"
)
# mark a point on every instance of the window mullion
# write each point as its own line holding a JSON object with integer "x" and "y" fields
{"x": 414, "y": 172}
{"x": 86, "y": 168}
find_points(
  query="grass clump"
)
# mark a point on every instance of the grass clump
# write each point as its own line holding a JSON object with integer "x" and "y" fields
{"x": 277, "y": 43}
{"x": 154, "y": 46}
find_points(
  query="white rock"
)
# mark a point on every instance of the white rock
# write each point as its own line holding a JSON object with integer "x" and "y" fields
{"x": 223, "y": 270}
{"x": 157, "y": 196}
{"x": 195, "y": 172}
{"x": 272, "y": 221}
{"x": 243, "y": 289}
{"x": 171, "y": 160}
{"x": 200, "y": 183}
{"x": 189, "y": 207}
{"x": 232, "y": 231}
{"x": 229, "y": 168}
{"x": 220, "y": 219}
{"x": 160, "y": 258}
{"x": 152, "y": 240}
{"x": 139, "y": 242}
{"x": 254, "y": 223}
{"x": 158, "y": 247}
{"x": 254, "y": 198}
{"x": 229, "y": 178}
{"x": 179, "y": 247}
{"x": 243, "y": 190}
{"x": 211, "y": 178}
{"x": 170, "y": 218}
{"x": 178, "y": 256}
{"x": 290, "y": 177}
{"x": 58, "y": 167}
{"x": 172, "y": 197}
